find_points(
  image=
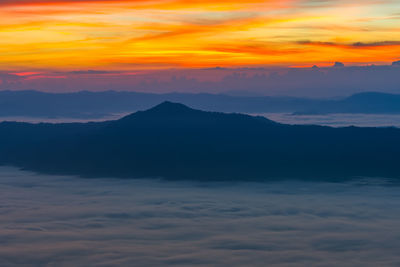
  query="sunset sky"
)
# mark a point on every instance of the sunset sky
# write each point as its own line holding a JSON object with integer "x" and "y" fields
{"x": 125, "y": 35}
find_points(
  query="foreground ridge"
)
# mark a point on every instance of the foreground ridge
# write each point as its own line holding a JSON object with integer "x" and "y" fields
{"x": 174, "y": 141}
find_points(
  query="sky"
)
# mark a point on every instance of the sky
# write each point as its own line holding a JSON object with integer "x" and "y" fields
{"x": 44, "y": 35}
{"x": 256, "y": 47}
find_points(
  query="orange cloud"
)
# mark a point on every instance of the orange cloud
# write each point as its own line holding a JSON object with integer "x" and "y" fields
{"x": 66, "y": 35}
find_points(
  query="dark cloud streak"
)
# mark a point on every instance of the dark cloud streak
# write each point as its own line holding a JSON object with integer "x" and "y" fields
{"x": 352, "y": 45}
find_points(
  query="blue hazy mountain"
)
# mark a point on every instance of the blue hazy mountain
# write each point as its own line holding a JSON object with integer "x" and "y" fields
{"x": 100, "y": 104}
{"x": 366, "y": 103}
{"x": 177, "y": 142}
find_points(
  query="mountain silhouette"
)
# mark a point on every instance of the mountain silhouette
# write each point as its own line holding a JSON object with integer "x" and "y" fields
{"x": 170, "y": 108}
{"x": 174, "y": 141}
{"x": 166, "y": 109}
{"x": 93, "y": 105}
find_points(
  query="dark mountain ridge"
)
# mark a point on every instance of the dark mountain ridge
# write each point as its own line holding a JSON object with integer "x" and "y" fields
{"x": 177, "y": 142}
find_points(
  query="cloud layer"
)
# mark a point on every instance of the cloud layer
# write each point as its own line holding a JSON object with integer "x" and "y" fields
{"x": 308, "y": 82}
{"x": 67, "y": 221}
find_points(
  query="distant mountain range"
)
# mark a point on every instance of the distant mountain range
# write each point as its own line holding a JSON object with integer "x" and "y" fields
{"x": 176, "y": 142}
{"x": 95, "y": 105}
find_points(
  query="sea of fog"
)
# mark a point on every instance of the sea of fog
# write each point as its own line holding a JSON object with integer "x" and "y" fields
{"x": 48, "y": 220}
{"x": 334, "y": 120}
{"x": 338, "y": 120}
{"x": 83, "y": 119}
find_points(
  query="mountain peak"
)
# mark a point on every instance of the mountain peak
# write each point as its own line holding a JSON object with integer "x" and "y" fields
{"x": 165, "y": 109}
{"x": 168, "y": 107}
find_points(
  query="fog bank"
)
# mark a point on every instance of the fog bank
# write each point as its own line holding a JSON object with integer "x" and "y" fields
{"x": 69, "y": 221}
